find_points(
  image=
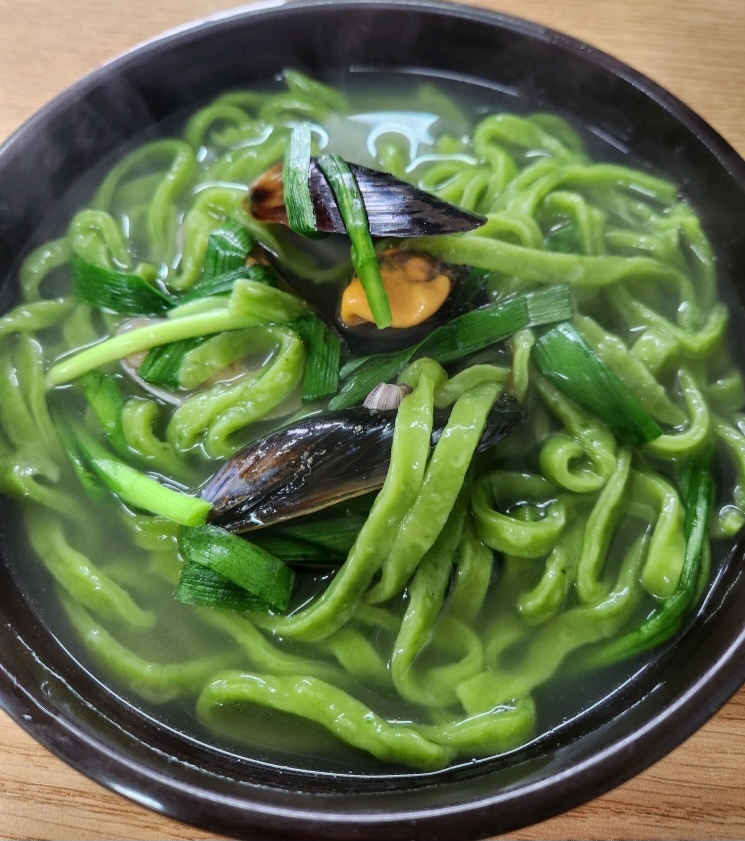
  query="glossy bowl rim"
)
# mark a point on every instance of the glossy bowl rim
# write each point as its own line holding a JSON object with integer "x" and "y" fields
{"x": 619, "y": 761}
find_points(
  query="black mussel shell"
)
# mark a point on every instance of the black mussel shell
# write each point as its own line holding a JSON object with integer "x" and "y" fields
{"x": 394, "y": 208}
{"x": 317, "y": 462}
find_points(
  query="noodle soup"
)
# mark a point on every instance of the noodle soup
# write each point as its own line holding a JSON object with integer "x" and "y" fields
{"x": 492, "y": 588}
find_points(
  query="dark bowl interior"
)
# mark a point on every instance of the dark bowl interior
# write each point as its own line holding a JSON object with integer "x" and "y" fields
{"x": 76, "y": 717}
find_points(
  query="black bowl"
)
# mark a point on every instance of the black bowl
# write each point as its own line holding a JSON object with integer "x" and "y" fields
{"x": 67, "y": 710}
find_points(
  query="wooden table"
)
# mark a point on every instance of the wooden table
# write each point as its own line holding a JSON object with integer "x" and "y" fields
{"x": 694, "y": 48}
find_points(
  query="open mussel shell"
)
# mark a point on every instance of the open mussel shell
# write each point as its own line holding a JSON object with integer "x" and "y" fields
{"x": 394, "y": 208}
{"x": 302, "y": 468}
{"x": 317, "y": 462}
{"x": 365, "y": 339}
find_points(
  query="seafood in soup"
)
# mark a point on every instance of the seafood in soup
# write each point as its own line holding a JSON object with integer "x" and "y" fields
{"x": 403, "y": 414}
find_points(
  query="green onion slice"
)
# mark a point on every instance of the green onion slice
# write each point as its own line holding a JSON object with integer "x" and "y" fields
{"x": 567, "y": 361}
{"x": 107, "y": 401}
{"x": 121, "y": 292}
{"x": 228, "y": 248}
{"x": 162, "y": 364}
{"x": 460, "y": 337}
{"x": 136, "y": 488}
{"x": 245, "y": 564}
{"x": 364, "y": 259}
{"x": 323, "y": 357}
{"x": 223, "y": 284}
{"x": 202, "y": 586}
{"x": 295, "y": 175}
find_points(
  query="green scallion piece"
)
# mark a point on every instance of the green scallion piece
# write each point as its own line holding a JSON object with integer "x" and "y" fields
{"x": 245, "y": 564}
{"x": 469, "y": 287}
{"x": 136, "y": 488}
{"x": 460, "y": 337}
{"x": 323, "y": 357}
{"x": 567, "y": 361}
{"x": 295, "y": 175}
{"x": 228, "y": 248}
{"x": 202, "y": 586}
{"x": 121, "y": 292}
{"x": 697, "y": 490}
{"x": 91, "y": 483}
{"x": 145, "y": 492}
{"x": 223, "y": 284}
{"x": 364, "y": 259}
{"x": 107, "y": 401}
{"x": 162, "y": 364}
{"x": 495, "y": 322}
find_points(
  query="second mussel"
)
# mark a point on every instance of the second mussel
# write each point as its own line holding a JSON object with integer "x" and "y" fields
{"x": 319, "y": 461}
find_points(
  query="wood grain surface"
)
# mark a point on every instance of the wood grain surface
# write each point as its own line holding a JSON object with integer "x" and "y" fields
{"x": 695, "y": 48}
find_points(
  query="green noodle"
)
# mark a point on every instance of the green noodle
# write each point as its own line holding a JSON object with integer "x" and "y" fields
{"x": 473, "y": 581}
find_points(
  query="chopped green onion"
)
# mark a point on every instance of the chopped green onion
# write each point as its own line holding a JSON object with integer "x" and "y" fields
{"x": 495, "y": 322}
{"x": 295, "y": 175}
{"x": 202, "y": 586}
{"x": 462, "y": 336}
{"x": 228, "y": 248}
{"x": 243, "y": 563}
{"x": 121, "y": 292}
{"x": 142, "y": 491}
{"x": 697, "y": 488}
{"x": 323, "y": 357}
{"x": 567, "y": 361}
{"x": 334, "y": 533}
{"x": 375, "y": 370}
{"x": 107, "y": 401}
{"x": 223, "y": 284}
{"x": 364, "y": 259}
{"x": 162, "y": 364}
{"x": 87, "y": 478}
{"x": 136, "y": 488}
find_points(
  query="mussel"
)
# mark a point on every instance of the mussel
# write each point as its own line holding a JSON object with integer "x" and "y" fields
{"x": 318, "y": 461}
{"x": 394, "y": 208}
{"x": 421, "y": 292}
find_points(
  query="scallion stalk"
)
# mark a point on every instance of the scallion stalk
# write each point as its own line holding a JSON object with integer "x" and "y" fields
{"x": 136, "y": 488}
{"x": 87, "y": 478}
{"x": 245, "y": 564}
{"x": 142, "y": 491}
{"x": 323, "y": 357}
{"x": 697, "y": 489}
{"x": 567, "y": 361}
{"x": 144, "y": 338}
{"x": 364, "y": 259}
{"x": 228, "y": 248}
{"x": 202, "y": 586}
{"x": 121, "y": 292}
{"x": 295, "y": 175}
{"x": 460, "y": 337}
{"x": 162, "y": 364}
{"x": 223, "y": 284}
{"x": 107, "y": 401}
{"x": 296, "y": 551}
